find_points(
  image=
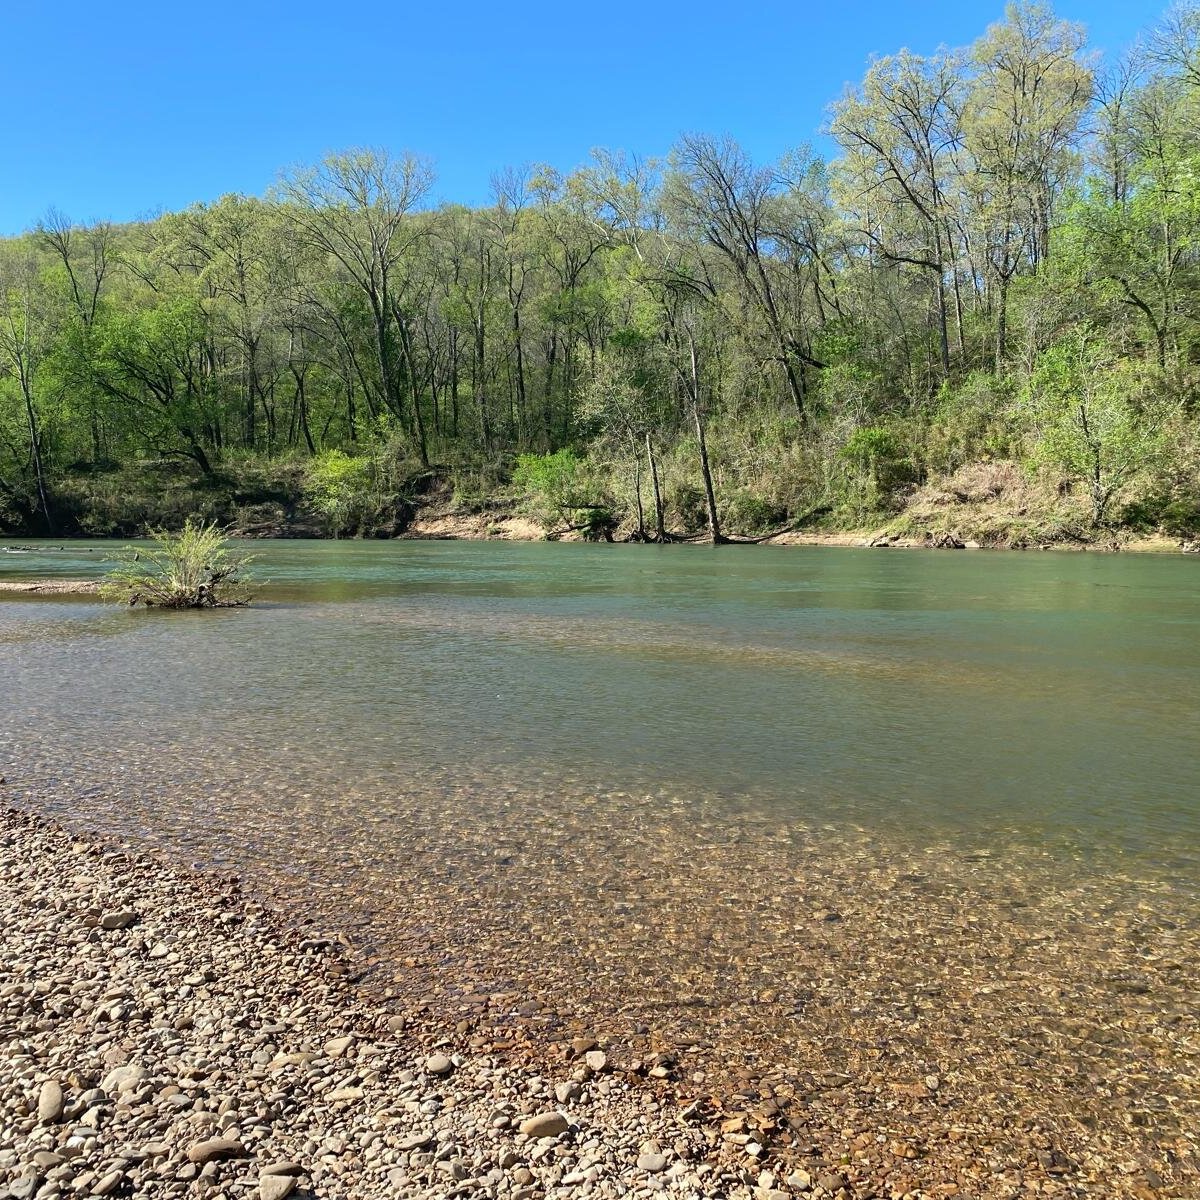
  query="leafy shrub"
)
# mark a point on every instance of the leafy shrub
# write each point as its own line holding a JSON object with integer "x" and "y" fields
{"x": 191, "y": 569}
{"x": 338, "y": 486}
{"x": 1176, "y": 516}
{"x": 1096, "y": 419}
{"x": 553, "y": 479}
{"x": 877, "y": 457}
{"x": 745, "y": 512}
{"x": 973, "y": 420}
{"x": 1181, "y": 518}
{"x": 687, "y": 501}
{"x": 598, "y": 523}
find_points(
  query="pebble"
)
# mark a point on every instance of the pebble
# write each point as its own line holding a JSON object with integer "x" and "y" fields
{"x": 417, "y": 1141}
{"x": 108, "y": 1184}
{"x": 283, "y": 1167}
{"x": 275, "y": 1187}
{"x": 215, "y": 1149}
{"x": 118, "y": 920}
{"x": 545, "y": 1125}
{"x": 50, "y": 1102}
{"x": 438, "y": 1064}
{"x": 231, "y": 1047}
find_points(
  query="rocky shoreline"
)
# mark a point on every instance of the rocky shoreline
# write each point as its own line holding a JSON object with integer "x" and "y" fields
{"x": 165, "y": 1032}
{"x": 165, "y": 1035}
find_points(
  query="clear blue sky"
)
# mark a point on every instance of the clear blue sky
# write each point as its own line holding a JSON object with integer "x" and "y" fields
{"x": 119, "y": 110}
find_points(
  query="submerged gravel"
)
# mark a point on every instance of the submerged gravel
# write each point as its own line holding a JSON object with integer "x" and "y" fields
{"x": 162, "y": 1035}
{"x": 851, "y": 1024}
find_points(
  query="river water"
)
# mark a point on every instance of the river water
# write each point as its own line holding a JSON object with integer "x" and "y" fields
{"x": 753, "y": 802}
{"x": 915, "y": 693}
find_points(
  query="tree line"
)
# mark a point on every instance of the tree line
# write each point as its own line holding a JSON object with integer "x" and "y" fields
{"x": 998, "y": 267}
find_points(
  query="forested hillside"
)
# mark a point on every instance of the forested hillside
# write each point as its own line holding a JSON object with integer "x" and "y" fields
{"x": 981, "y": 317}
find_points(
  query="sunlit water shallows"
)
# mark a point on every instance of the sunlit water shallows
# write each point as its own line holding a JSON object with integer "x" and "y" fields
{"x": 839, "y": 820}
{"x": 928, "y": 695}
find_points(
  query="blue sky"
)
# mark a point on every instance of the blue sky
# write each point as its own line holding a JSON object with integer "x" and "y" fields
{"x": 120, "y": 110}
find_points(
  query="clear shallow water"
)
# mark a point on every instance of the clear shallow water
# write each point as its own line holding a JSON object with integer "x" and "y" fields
{"x": 821, "y": 822}
{"x": 914, "y": 694}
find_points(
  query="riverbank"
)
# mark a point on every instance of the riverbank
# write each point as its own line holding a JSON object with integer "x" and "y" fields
{"x": 438, "y": 523}
{"x": 993, "y": 505}
{"x": 165, "y": 1034}
{"x": 167, "y": 1029}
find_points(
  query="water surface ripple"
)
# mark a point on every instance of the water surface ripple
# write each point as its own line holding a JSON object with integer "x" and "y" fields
{"x": 848, "y": 818}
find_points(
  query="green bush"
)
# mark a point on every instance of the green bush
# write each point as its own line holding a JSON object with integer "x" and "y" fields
{"x": 339, "y": 487}
{"x": 745, "y": 512}
{"x": 553, "y": 480}
{"x": 194, "y": 568}
{"x": 1181, "y": 517}
{"x": 973, "y": 420}
{"x": 687, "y": 501}
{"x": 878, "y": 460}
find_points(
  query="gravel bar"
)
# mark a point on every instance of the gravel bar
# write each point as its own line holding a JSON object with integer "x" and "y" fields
{"x": 165, "y": 1033}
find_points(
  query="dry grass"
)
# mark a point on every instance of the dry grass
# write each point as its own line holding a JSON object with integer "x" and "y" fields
{"x": 996, "y": 504}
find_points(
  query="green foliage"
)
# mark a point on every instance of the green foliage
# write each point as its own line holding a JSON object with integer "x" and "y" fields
{"x": 553, "y": 480}
{"x": 748, "y": 513}
{"x": 867, "y": 448}
{"x": 685, "y": 502}
{"x": 971, "y": 421}
{"x": 337, "y": 485}
{"x": 1181, "y": 517}
{"x": 194, "y": 568}
{"x": 836, "y": 336}
{"x": 877, "y": 458}
{"x": 1096, "y": 418}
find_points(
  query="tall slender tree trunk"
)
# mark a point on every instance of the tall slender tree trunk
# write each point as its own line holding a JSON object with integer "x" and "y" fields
{"x": 485, "y": 431}
{"x": 660, "y": 526}
{"x": 35, "y": 451}
{"x": 958, "y": 317}
{"x": 710, "y": 496}
{"x": 795, "y": 382}
{"x": 1002, "y": 324}
{"x": 637, "y": 494}
{"x": 943, "y": 325}
{"x": 414, "y": 390}
{"x": 454, "y": 383}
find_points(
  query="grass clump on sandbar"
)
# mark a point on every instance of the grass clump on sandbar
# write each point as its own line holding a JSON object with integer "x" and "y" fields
{"x": 194, "y": 568}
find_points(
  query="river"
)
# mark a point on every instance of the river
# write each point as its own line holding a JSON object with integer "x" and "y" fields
{"x": 761, "y": 804}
